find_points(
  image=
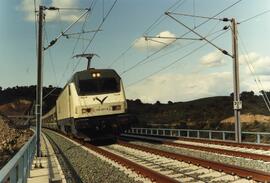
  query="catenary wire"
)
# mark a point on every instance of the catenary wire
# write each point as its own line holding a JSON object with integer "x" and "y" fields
{"x": 191, "y": 43}
{"x": 155, "y": 23}
{"x": 197, "y": 26}
{"x": 67, "y": 65}
{"x": 174, "y": 62}
{"x": 255, "y": 75}
{"x": 69, "y": 27}
{"x": 162, "y": 17}
{"x": 255, "y": 16}
{"x": 195, "y": 16}
{"x": 80, "y": 34}
{"x": 72, "y": 9}
{"x": 202, "y": 37}
{"x": 99, "y": 27}
{"x": 92, "y": 5}
{"x": 51, "y": 61}
{"x": 146, "y": 58}
{"x": 60, "y": 21}
{"x": 264, "y": 95}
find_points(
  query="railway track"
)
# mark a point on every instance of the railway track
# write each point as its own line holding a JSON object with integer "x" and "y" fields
{"x": 242, "y": 171}
{"x": 155, "y": 165}
{"x": 148, "y": 173}
{"x": 244, "y": 152}
{"x": 178, "y": 170}
{"x": 88, "y": 165}
{"x": 137, "y": 172}
{"x": 227, "y": 143}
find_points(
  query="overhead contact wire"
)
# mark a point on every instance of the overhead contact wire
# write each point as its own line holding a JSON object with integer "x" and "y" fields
{"x": 89, "y": 43}
{"x": 177, "y": 60}
{"x": 255, "y": 16}
{"x": 177, "y": 49}
{"x": 256, "y": 77}
{"x": 150, "y": 28}
{"x": 138, "y": 63}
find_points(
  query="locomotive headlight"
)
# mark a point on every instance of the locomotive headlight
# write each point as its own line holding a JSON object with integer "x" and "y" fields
{"x": 96, "y": 75}
{"x": 86, "y": 110}
{"x": 116, "y": 107}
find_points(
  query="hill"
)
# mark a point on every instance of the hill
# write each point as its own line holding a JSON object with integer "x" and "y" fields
{"x": 11, "y": 95}
{"x": 205, "y": 113}
{"x": 15, "y": 109}
{"x": 18, "y": 107}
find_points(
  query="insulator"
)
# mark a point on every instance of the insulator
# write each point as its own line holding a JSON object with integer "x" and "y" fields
{"x": 225, "y": 19}
{"x": 226, "y": 27}
{"x": 53, "y": 8}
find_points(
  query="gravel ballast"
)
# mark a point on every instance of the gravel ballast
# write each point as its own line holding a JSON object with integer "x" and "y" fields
{"x": 87, "y": 166}
{"x": 221, "y": 158}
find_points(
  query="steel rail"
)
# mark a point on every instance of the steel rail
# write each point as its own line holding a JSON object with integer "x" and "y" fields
{"x": 145, "y": 172}
{"x": 249, "y": 155}
{"x": 234, "y": 144}
{"x": 229, "y": 169}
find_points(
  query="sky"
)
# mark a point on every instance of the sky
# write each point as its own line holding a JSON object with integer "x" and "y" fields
{"x": 151, "y": 68}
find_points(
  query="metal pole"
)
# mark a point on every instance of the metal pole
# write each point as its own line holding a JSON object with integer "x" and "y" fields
{"x": 39, "y": 79}
{"x": 237, "y": 104}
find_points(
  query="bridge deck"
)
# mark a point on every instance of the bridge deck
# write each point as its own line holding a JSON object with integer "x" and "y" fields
{"x": 46, "y": 168}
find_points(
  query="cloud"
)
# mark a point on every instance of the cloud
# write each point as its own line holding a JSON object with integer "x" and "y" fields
{"x": 259, "y": 64}
{"x": 181, "y": 87}
{"x": 252, "y": 57}
{"x": 262, "y": 65}
{"x": 154, "y": 43}
{"x": 213, "y": 59}
{"x": 185, "y": 87}
{"x": 27, "y": 7}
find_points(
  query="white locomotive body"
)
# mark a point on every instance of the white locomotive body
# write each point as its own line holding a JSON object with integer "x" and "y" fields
{"x": 92, "y": 104}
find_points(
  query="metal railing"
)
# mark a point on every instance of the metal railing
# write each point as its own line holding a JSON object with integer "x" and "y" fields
{"x": 17, "y": 170}
{"x": 248, "y": 137}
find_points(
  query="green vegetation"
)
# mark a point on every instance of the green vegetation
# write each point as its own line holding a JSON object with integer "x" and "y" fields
{"x": 205, "y": 113}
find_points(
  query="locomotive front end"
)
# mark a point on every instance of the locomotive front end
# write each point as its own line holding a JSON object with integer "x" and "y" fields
{"x": 97, "y": 104}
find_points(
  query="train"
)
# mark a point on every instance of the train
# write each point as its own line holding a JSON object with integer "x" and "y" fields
{"x": 92, "y": 105}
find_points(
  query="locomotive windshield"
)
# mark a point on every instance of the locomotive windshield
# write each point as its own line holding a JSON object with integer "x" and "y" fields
{"x": 101, "y": 85}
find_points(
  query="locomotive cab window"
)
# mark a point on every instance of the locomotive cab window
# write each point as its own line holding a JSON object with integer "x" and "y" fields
{"x": 100, "y": 85}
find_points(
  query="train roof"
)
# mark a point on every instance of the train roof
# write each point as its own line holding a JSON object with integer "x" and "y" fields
{"x": 51, "y": 112}
{"x": 86, "y": 74}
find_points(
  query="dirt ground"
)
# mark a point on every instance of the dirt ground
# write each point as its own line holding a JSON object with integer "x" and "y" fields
{"x": 11, "y": 140}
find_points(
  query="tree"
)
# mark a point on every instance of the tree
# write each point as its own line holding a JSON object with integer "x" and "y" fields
{"x": 138, "y": 101}
{"x": 246, "y": 95}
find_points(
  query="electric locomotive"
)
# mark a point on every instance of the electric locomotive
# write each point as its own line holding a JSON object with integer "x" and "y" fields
{"x": 92, "y": 105}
